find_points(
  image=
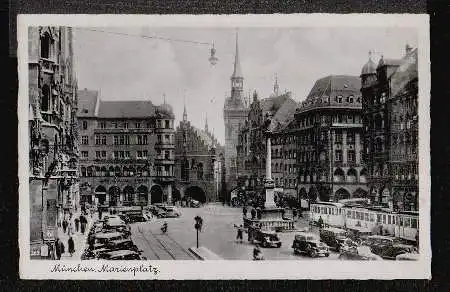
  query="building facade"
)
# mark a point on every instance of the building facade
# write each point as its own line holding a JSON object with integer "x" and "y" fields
{"x": 328, "y": 127}
{"x": 53, "y": 187}
{"x": 390, "y": 101}
{"x": 198, "y": 167}
{"x": 235, "y": 113}
{"x": 266, "y": 118}
{"x": 127, "y": 151}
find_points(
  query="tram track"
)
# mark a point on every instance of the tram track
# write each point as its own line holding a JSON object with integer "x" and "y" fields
{"x": 167, "y": 249}
{"x": 148, "y": 242}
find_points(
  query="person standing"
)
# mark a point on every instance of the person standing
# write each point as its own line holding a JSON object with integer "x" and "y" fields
{"x": 59, "y": 248}
{"x": 240, "y": 232}
{"x": 83, "y": 222}
{"x": 77, "y": 223}
{"x": 70, "y": 228}
{"x": 71, "y": 245}
{"x": 65, "y": 224}
{"x": 99, "y": 214}
{"x": 253, "y": 212}
{"x": 244, "y": 211}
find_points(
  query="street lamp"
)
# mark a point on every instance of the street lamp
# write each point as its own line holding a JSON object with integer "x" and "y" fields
{"x": 198, "y": 225}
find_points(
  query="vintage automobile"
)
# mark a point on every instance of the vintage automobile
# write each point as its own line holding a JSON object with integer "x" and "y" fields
{"x": 266, "y": 238}
{"x": 106, "y": 237}
{"x": 137, "y": 218}
{"x": 171, "y": 212}
{"x": 359, "y": 253}
{"x": 194, "y": 204}
{"x": 310, "y": 244}
{"x": 124, "y": 218}
{"x": 391, "y": 252}
{"x": 156, "y": 211}
{"x": 124, "y": 254}
{"x": 379, "y": 240}
{"x": 408, "y": 257}
{"x": 335, "y": 238}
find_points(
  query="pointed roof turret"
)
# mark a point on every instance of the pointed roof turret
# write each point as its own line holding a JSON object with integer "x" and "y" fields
{"x": 184, "y": 113}
{"x": 276, "y": 86}
{"x": 206, "y": 123}
{"x": 237, "y": 65}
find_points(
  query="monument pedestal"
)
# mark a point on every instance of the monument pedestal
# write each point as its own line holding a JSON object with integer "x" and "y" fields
{"x": 271, "y": 217}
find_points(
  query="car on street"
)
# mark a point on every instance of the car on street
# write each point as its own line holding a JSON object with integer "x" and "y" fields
{"x": 171, "y": 212}
{"x": 194, "y": 204}
{"x": 310, "y": 244}
{"x": 266, "y": 238}
{"x": 156, "y": 211}
{"x": 109, "y": 236}
{"x": 121, "y": 255}
{"x": 391, "y": 252}
{"x": 408, "y": 257}
{"x": 335, "y": 238}
{"x": 359, "y": 253}
{"x": 137, "y": 218}
{"x": 124, "y": 218}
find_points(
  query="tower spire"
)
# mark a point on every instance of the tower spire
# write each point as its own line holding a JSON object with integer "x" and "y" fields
{"x": 275, "y": 85}
{"x": 237, "y": 65}
{"x": 206, "y": 123}
{"x": 184, "y": 111}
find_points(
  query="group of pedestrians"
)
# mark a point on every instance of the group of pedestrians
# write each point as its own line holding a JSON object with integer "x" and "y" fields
{"x": 254, "y": 212}
{"x": 70, "y": 227}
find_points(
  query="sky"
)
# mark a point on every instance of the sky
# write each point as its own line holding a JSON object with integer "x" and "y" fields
{"x": 124, "y": 67}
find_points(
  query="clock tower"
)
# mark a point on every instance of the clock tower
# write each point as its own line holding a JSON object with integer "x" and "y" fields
{"x": 235, "y": 113}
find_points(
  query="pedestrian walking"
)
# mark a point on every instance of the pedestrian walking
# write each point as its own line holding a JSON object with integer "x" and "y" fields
{"x": 253, "y": 212}
{"x": 83, "y": 222}
{"x": 240, "y": 232}
{"x": 71, "y": 246}
{"x": 99, "y": 214}
{"x": 65, "y": 224}
{"x": 77, "y": 224}
{"x": 244, "y": 211}
{"x": 70, "y": 228}
{"x": 59, "y": 248}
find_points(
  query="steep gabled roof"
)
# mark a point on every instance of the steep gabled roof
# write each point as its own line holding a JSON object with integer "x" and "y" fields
{"x": 406, "y": 72}
{"x": 126, "y": 109}
{"x": 86, "y": 102}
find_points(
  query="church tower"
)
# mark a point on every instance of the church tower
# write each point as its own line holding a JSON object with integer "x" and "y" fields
{"x": 235, "y": 113}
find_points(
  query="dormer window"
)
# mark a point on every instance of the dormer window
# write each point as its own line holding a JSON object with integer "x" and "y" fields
{"x": 45, "y": 46}
{"x": 339, "y": 99}
{"x": 350, "y": 99}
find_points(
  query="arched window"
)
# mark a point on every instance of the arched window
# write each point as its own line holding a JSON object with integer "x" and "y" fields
{"x": 83, "y": 171}
{"x": 103, "y": 171}
{"x": 90, "y": 171}
{"x": 45, "y": 98}
{"x": 200, "y": 171}
{"x": 45, "y": 46}
{"x": 111, "y": 171}
{"x": 117, "y": 171}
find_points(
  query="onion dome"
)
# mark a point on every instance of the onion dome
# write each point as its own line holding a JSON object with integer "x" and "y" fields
{"x": 369, "y": 67}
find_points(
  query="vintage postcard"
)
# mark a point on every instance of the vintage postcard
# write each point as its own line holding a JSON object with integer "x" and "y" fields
{"x": 224, "y": 147}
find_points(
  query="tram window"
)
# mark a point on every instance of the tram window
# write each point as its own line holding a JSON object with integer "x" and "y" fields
{"x": 349, "y": 214}
{"x": 378, "y": 217}
{"x": 413, "y": 223}
{"x": 389, "y": 219}
{"x": 407, "y": 222}
{"x": 384, "y": 219}
{"x": 401, "y": 221}
{"x": 366, "y": 215}
{"x": 372, "y": 217}
{"x": 353, "y": 214}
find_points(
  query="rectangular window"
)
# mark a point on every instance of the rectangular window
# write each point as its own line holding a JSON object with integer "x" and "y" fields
{"x": 122, "y": 140}
{"x": 139, "y": 154}
{"x": 158, "y": 123}
{"x": 366, "y": 216}
{"x": 98, "y": 140}
{"x": 116, "y": 140}
{"x": 139, "y": 139}
{"x": 98, "y": 154}
{"x": 127, "y": 140}
{"x": 414, "y": 223}
{"x": 167, "y": 124}
{"x": 144, "y": 154}
{"x": 338, "y": 155}
{"x": 407, "y": 222}
{"x": 159, "y": 138}
{"x": 349, "y": 214}
{"x": 102, "y": 125}
{"x": 84, "y": 125}
{"x": 167, "y": 138}
{"x": 389, "y": 219}
{"x": 338, "y": 138}
{"x": 351, "y": 156}
{"x": 384, "y": 219}
{"x": 372, "y": 217}
{"x": 138, "y": 125}
{"x": 104, "y": 140}
{"x": 353, "y": 215}
{"x": 115, "y": 125}
{"x": 127, "y": 154}
{"x": 121, "y": 154}
{"x": 125, "y": 125}
{"x": 350, "y": 138}
{"x": 85, "y": 140}
{"x": 103, "y": 154}
{"x": 144, "y": 140}
{"x": 84, "y": 154}
{"x": 116, "y": 154}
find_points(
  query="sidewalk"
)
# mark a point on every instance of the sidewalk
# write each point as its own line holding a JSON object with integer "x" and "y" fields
{"x": 78, "y": 238}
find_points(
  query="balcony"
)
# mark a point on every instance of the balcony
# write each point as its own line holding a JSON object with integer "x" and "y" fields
{"x": 47, "y": 65}
{"x": 123, "y": 131}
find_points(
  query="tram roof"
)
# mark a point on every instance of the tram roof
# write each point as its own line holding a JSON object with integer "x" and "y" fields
{"x": 334, "y": 204}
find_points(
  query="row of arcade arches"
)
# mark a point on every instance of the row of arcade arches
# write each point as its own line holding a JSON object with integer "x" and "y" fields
{"x": 141, "y": 194}
{"x": 315, "y": 194}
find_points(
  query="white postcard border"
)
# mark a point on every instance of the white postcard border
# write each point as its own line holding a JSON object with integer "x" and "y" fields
{"x": 41, "y": 269}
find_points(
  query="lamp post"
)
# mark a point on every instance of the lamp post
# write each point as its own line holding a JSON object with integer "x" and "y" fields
{"x": 198, "y": 225}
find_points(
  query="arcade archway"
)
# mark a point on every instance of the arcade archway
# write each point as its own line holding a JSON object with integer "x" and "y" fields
{"x": 128, "y": 193}
{"x": 142, "y": 192}
{"x": 156, "y": 194}
{"x": 176, "y": 195}
{"x": 313, "y": 194}
{"x": 114, "y": 195}
{"x": 196, "y": 193}
{"x": 100, "y": 194}
{"x": 360, "y": 193}
{"x": 341, "y": 194}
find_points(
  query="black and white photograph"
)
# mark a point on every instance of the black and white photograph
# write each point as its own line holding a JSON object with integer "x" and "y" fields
{"x": 239, "y": 146}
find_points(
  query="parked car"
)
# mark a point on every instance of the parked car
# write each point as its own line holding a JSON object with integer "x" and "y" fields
{"x": 266, "y": 238}
{"x": 360, "y": 253}
{"x": 121, "y": 255}
{"x": 335, "y": 238}
{"x": 137, "y": 218}
{"x": 109, "y": 236}
{"x": 194, "y": 204}
{"x": 124, "y": 218}
{"x": 392, "y": 251}
{"x": 171, "y": 212}
{"x": 408, "y": 257}
{"x": 310, "y": 244}
{"x": 157, "y": 211}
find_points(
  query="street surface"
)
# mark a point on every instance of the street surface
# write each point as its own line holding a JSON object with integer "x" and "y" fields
{"x": 218, "y": 235}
